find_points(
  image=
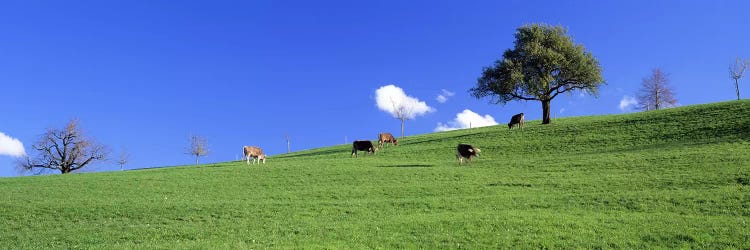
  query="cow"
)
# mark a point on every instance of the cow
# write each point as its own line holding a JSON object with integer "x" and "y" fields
{"x": 363, "y": 146}
{"x": 516, "y": 120}
{"x": 466, "y": 151}
{"x": 386, "y": 138}
{"x": 253, "y": 152}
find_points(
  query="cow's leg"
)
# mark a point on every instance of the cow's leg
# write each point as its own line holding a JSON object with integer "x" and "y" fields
{"x": 248, "y": 159}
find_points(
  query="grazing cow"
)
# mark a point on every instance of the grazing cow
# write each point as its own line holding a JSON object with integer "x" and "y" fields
{"x": 362, "y": 146}
{"x": 516, "y": 119}
{"x": 466, "y": 151}
{"x": 386, "y": 138}
{"x": 253, "y": 152}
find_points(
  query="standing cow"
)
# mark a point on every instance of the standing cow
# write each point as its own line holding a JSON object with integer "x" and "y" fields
{"x": 466, "y": 151}
{"x": 362, "y": 146}
{"x": 386, "y": 138}
{"x": 516, "y": 120}
{"x": 253, "y": 152}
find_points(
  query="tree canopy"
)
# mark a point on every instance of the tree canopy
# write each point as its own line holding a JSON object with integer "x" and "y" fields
{"x": 544, "y": 63}
{"x": 655, "y": 92}
{"x": 65, "y": 150}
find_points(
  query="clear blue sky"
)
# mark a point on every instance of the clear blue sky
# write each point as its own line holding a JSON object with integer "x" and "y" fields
{"x": 142, "y": 76}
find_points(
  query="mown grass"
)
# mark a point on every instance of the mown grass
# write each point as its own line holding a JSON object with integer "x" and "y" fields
{"x": 675, "y": 178}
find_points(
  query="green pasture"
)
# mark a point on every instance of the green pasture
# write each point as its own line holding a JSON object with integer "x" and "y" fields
{"x": 674, "y": 178}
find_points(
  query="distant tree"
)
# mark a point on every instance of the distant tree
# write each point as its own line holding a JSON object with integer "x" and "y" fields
{"x": 198, "y": 147}
{"x": 544, "y": 63}
{"x": 736, "y": 71}
{"x": 288, "y": 143}
{"x": 655, "y": 92}
{"x": 65, "y": 150}
{"x": 399, "y": 105}
{"x": 123, "y": 159}
{"x": 402, "y": 112}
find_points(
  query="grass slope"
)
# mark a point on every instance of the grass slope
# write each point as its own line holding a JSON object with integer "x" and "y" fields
{"x": 672, "y": 178}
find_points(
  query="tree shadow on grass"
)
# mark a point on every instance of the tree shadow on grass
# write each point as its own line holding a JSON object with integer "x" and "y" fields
{"x": 315, "y": 153}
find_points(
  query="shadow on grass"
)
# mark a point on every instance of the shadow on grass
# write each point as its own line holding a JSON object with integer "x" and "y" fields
{"x": 407, "y": 166}
{"x": 315, "y": 153}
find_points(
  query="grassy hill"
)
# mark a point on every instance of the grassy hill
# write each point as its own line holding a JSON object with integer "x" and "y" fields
{"x": 672, "y": 178}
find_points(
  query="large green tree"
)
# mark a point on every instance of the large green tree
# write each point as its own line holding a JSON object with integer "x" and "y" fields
{"x": 544, "y": 63}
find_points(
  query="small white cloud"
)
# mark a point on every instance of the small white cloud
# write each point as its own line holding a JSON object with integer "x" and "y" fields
{"x": 441, "y": 99}
{"x": 627, "y": 103}
{"x": 443, "y": 96}
{"x": 466, "y": 119}
{"x": 11, "y": 146}
{"x": 388, "y": 98}
{"x": 562, "y": 110}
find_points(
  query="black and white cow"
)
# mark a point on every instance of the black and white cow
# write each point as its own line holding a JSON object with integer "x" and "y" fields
{"x": 362, "y": 146}
{"x": 516, "y": 120}
{"x": 466, "y": 151}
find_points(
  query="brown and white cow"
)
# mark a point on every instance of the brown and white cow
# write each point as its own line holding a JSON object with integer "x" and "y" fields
{"x": 253, "y": 152}
{"x": 466, "y": 151}
{"x": 386, "y": 138}
{"x": 516, "y": 120}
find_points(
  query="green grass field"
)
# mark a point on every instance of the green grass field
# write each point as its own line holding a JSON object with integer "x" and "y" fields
{"x": 676, "y": 178}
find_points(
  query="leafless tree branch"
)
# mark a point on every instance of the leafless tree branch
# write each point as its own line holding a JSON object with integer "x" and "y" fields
{"x": 198, "y": 147}
{"x": 736, "y": 70}
{"x": 655, "y": 92}
{"x": 64, "y": 150}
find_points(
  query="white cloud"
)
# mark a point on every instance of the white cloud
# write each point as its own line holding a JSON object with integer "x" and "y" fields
{"x": 562, "y": 110}
{"x": 389, "y": 97}
{"x": 443, "y": 96}
{"x": 627, "y": 103}
{"x": 11, "y": 146}
{"x": 466, "y": 119}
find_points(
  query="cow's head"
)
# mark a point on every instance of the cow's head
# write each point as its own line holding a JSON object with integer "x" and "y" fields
{"x": 510, "y": 125}
{"x": 395, "y": 142}
{"x": 373, "y": 150}
{"x": 476, "y": 151}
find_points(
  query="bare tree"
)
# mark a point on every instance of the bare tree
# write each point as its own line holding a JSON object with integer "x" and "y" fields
{"x": 124, "y": 157}
{"x": 736, "y": 71}
{"x": 655, "y": 92}
{"x": 402, "y": 113}
{"x": 65, "y": 150}
{"x": 198, "y": 147}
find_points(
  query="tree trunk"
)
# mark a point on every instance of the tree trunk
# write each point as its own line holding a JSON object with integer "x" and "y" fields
{"x": 196, "y": 160}
{"x": 737, "y": 88}
{"x": 545, "y": 111}
{"x": 402, "y": 128}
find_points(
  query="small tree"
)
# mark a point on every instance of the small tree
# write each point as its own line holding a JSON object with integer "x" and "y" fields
{"x": 288, "y": 143}
{"x": 655, "y": 92}
{"x": 123, "y": 159}
{"x": 402, "y": 113}
{"x": 399, "y": 105}
{"x": 544, "y": 63}
{"x": 198, "y": 147}
{"x": 65, "y": 150}
{"x": 736, "y": 71}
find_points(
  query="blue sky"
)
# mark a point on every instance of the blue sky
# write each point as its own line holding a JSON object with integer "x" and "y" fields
{"x": 142, "y": 76}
